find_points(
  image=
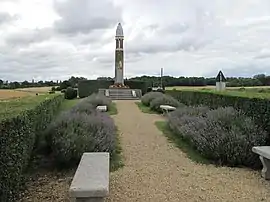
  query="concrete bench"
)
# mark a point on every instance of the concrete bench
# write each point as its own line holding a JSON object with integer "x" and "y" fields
{"x": 167, "y": 108}
{"x": 91, "y": 180}
{"x": 102, "y": 108}
{"x": 264, "y": 152}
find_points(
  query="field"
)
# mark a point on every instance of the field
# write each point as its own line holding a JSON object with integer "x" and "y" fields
{"x": 213, "y": 87}
{"x": 262, "y": 92}
{"x": 12, "y": 107}
{"x": 22, "y": 92}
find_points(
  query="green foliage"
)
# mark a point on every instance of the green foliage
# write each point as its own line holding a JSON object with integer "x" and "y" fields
{"x": 88, "y": 87}
{"x": 133, "y": 84}
{"x": 70, "y": 93}
{"x": 254, "y": 107}
{"x": 113, "y": 109}
{"x": 65, "y": 84}
{"x": 145, "y": 109}
{"x": 19, "y": 136}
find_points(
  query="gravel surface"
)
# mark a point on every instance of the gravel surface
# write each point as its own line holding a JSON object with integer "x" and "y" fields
{"x": 155, "y": 170}
{"x": 48, "y": 186}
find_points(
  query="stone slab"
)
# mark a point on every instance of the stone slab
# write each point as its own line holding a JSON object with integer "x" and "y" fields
{"x": 102, "y": 108}
{"x": 91, "y": 179}
{"x": 262, "y": 151}
{"x": 167, "y": 107}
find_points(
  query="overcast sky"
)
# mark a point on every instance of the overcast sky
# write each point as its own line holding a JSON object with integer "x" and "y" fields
{"x": 54, "y": 39}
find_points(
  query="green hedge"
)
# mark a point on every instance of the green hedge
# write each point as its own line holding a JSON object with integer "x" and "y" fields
{"x": 88, "y": 87}
{"x": 17, "y": 141}
{"x": 133, "y": 84}
{"x": 257, "y": 108}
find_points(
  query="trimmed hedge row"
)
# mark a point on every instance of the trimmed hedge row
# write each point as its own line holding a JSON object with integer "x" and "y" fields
{"x": 17, "y": 141}
{"x": 257, "y": 108}
{"x": 88, "y": 87}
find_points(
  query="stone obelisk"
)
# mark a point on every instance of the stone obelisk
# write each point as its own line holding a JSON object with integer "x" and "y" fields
{"x": 119, "y": 56}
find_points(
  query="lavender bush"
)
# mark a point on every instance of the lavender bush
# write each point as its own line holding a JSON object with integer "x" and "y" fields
{"x": 98, "y": 100}
{"x": 83, "y": 107}
{"x": 223, "y": 135}
{"x": 74, "y": 133}
{"x": 148, "y": 97}
{"x": 164, "y": 100}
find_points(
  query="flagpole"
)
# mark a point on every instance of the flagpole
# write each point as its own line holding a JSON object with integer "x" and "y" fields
{"x": 161, "y": 75}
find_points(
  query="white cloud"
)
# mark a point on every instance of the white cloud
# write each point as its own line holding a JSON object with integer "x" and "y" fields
{"x": 55, "y": 39}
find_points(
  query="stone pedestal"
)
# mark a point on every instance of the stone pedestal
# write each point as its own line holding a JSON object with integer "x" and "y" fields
{"x": 266, "y": 168}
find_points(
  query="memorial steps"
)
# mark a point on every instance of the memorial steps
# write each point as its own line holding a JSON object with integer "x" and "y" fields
{"x": 121, "y": 93}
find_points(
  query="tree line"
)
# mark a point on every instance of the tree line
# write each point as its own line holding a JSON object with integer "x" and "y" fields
{"x": 257, "y": 80}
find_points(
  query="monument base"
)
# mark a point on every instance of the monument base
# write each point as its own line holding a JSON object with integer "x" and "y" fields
{"x": 118, "y": 85}
{"x": 121, "y": 93}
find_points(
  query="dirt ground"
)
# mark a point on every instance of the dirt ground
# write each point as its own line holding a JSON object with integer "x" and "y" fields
{"x": 21, "y": 92}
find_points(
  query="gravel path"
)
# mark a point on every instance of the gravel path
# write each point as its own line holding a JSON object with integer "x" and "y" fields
{"x": 155, "y": 170}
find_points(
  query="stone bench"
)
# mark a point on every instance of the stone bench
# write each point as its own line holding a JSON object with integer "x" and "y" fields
{"x": 264, "y": 152}
{"x": 102, "y": 108}
{"x": 91, "y": 180}
{"x": 167, "y": 108}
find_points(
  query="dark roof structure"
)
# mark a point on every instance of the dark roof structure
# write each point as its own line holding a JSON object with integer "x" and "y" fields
{"x": 220, "y": 77}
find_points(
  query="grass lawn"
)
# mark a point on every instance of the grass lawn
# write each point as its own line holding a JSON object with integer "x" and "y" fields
{"x": 180, "y": 143}
{"x": 113, "y": 109}
{"x": 68, "y": 104}
{"x": 13, "y": 107}
{"x": 116, "y": 160}
{"x": 145, "y": 109}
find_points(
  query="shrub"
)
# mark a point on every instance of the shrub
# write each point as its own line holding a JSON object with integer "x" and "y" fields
{"x": 83, "y": 107}
{"x": 149, "y": 89}
{"x": 70, "y": 93}
{"x": 164, "y": 100}
{"x": 98, "y": 100}
{"x": 148, "y": 97}
{"x": 161, "y": 90}
{"x": 17, "y": 141}
{"x": 51, "y": 92}
{"x": 53, "y": 88}
{"x": 74, "y": 133}
{"x": 223, "y": 135}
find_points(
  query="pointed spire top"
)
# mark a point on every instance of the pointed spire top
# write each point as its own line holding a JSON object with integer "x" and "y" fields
{"x": 119, "y": 30}
{"x": 220, "y": 77}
